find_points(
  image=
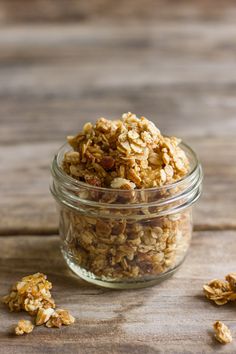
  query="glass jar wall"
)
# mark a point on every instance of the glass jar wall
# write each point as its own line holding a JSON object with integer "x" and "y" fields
{"x": 125, "y": 238}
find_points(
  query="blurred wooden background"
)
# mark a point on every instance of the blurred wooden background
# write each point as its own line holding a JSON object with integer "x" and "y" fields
{"x": 65, "y": 62}
{"x": 31, "y": 11}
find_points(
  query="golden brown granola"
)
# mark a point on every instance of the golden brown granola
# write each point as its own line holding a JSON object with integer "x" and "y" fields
{"x": 127, "y": 153}
{"x": 60, "y": 317}
{"x": 222, "y": 333}
{"x": 125, "y": 156}
{"x": 123, "y": 248}
{"x": 221, "y": 291}
{"x": 43, "y": 315}
{"x": 32, "y": 294}
{"x": 24, "y": 326}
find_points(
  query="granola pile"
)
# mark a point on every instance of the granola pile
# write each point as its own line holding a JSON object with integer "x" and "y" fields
{"x": 125, "y": 154}
{"x": 128, "y": 155}
{"x": 222, "y": 333}
{"x": 32, "y": 294}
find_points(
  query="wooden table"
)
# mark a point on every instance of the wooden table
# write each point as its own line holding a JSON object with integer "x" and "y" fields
{"x": 178, "y": 69}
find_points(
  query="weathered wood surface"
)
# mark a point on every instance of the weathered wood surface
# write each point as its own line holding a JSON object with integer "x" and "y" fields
{"x": 173, "y": 317}
{"x": 173, "y": 61}
{"x": 131, "y": 10}
{"x": 52, "y": 78}
{"x": 26, "y": 205}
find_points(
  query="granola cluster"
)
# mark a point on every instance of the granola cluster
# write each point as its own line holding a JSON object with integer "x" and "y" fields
{"x": 32, "y": 294}
{"x": 222, "y": 333}
{"x": 24, "y": 326}
{"x": 125, "y": 154}
{"x": 221, "y": 291}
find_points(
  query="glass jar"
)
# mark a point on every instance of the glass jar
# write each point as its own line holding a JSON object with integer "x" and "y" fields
{"x": 125, "y": 238}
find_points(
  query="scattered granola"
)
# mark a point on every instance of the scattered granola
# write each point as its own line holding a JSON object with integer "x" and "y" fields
{"x": 221, "y": 291}
{"x": 222, "y": 333}
{"x": 32, "y": 294}
{"x": 24, "y": 326}
{"x": 127, "y": 153}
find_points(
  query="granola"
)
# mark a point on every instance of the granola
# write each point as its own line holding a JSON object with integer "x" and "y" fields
{"x": 222, "y": 333}
{"x": 60, "y": 317}
{"x": 32, "y": 294}
{"x": 124, "y": 157}
{"x": 221, "y": 291}
{"x": 129, "y": 153}
{"x": 24, "y": 326}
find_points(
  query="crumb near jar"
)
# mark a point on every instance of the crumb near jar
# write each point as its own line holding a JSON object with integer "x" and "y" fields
{"x": 222, "y": 333}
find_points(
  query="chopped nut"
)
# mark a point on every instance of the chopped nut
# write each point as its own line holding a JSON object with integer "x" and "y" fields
{"x": 122, "y": 183}
{"x": 222, "y": 333}
{"x": 24, "y": 326}
{"x": 107, "y": 162}
{"x": 43, "y": 315}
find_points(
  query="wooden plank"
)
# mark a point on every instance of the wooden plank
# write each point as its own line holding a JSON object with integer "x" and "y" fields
{"x": 54, "y": 76}
{"x": 71, "y": 11}
{"x": 172, "y": 317}
{"x": 26, "y": 205}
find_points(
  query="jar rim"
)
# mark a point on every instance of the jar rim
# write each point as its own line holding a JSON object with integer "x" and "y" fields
{"x": 56, "y": 170}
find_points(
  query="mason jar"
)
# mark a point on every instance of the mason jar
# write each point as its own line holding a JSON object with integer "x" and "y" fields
{"x": 125, "y": 238}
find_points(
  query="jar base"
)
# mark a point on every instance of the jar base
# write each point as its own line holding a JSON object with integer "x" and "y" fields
{"x": 117, "y": 284}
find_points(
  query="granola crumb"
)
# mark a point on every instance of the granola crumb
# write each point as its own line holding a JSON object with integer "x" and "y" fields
{"x": 221, "y": 291}
{"x": 222, "y": 333}
{"x": 43, "y": 315}
{"x": 24, "y": 326}
{"x": 60, "y": 317}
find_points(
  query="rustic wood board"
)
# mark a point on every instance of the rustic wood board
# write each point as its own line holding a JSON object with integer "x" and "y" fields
{"x": 26, "y": 205}
{"x": 70, "y": 11}
{"x": 180, "y": 75}
{"x": 171, "y": 61}
{"x": 173, "y": 317}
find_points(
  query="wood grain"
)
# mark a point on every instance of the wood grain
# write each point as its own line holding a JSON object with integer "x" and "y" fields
{"x": 26, "y": 205}
{"x": 73, "y": 10}
{"x": 55, "y": 77}
{"x": 173, "y": 61}
{"x": 172, "y": 317}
